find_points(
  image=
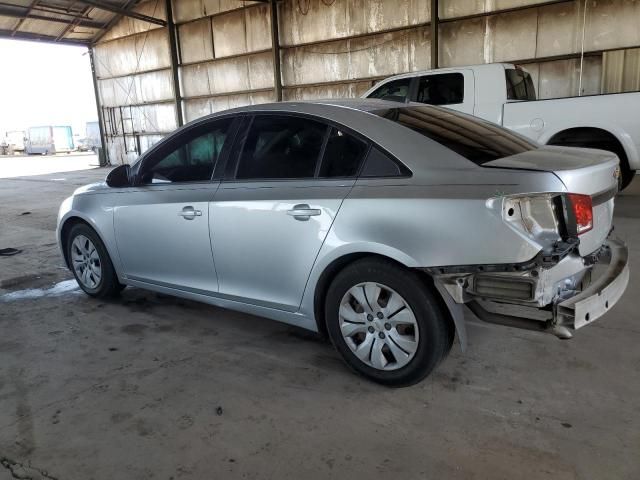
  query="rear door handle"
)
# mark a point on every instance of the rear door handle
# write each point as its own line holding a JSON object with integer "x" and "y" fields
{"x": 189, "y": 213}
{"x": 302, "y": 212}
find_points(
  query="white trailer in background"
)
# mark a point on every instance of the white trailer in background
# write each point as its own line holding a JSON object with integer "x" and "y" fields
{"x": 15, "y": 140}
{"x": 48, "y": 140}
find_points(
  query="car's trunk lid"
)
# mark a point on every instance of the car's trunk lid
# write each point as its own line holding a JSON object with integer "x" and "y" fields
{"x": 585, "y": 171}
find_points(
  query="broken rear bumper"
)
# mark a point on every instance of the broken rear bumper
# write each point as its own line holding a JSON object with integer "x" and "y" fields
{"x": 603, "y": 292}
{"x": 555, "y": 299}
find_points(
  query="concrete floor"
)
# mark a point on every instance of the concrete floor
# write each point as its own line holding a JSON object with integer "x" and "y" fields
{"x": 149, "y": 386}
{"x": 19, "y": 165}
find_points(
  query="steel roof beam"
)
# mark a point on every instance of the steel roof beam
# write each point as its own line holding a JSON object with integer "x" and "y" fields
{"x": 109, "y": 7}
{"x": 17, "y": 35}
{"x": 6, "y": 12}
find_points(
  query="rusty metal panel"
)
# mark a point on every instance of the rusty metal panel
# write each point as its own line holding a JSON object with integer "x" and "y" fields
{"x": 143, "y": 88}
{"x": 364, "y": 57}
{"x": 242, "y": 31}
{"x": 196, "y": 108}
{"x": 321, "y": 22}
{"x": 612, "y": 24}
{"x": 228, "y": 75}
{"x": 511, "y": 36}
{"x": 559, "y": 29}
{"x": 462, "y": 43}
{"x": 621, "y": 71}
{"x": 258, "y": 22}
{"x": 229, "y": 34}
{"x": 461, "y": 8}
{"x": 561, "y": 78}
{"x": 185, "y": 10}
{"x": 232, "y": 101}
{"x": 196, "y": 41}
{"x": 129, "y": 26}
{"x": 138, "y": 53}
{"x": 199, "y": 107}
{"x": 82, "y": 33}
{"x": 42, "y": 27}
{"x": 154, "y": 118}
{"x": 8, "y": 23}
{"x": 342, "y": 90}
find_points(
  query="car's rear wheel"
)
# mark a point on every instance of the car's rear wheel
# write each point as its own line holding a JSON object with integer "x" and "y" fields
{"x": 386, "y": 323}
{"x": 90, "y": 263}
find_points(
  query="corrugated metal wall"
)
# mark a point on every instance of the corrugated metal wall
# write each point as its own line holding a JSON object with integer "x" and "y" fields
{"x": 338, "y": 48}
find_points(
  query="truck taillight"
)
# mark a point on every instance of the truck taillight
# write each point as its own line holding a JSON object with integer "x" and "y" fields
{"x": 583, "y": 212}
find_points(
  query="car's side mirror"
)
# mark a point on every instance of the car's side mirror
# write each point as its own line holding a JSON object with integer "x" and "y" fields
{"x": 120, "y": 176}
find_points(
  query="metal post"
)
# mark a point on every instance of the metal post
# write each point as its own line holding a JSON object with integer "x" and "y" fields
{"x": 584, "y": 25}
{"x": 173, "y": 47}
{"x": 102, "y": 159}
{"x": 435, "y": 20}
{"x": 275, "y": 49}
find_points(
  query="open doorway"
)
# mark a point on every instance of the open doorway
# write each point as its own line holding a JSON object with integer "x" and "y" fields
{"x": 48, "y": 115}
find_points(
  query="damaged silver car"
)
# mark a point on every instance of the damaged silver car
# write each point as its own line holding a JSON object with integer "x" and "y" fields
{"x": 377, "y": 223}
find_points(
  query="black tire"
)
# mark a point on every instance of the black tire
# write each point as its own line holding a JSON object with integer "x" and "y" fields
{"x": 108, "y": 285}
{"x": 627, "y": 176}
{"x": 435, "y": 328}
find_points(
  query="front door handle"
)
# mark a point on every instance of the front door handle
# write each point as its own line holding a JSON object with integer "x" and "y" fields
{"x": 302, "y": 212}
{"x": 189, "y": 213}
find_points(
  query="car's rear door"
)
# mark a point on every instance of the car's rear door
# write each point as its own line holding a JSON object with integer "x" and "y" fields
{"x": 162, "y": 224}
{"x": 273, "y": 211}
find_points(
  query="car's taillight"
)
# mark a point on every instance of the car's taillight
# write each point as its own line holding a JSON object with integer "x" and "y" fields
{"x": 583, "y": 212}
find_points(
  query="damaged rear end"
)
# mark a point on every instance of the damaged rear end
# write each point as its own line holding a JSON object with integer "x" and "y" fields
{"x": 580, "y": 271}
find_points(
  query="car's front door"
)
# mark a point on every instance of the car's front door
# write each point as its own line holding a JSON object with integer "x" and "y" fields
{"x": 270, "y": 218}
{"x": 162, "y": 223}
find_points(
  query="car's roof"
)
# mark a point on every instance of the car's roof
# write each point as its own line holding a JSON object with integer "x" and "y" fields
{"x": 361, "y": 104}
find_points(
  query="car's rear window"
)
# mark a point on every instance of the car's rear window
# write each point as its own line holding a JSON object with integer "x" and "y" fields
{"x": 474, "y": 139}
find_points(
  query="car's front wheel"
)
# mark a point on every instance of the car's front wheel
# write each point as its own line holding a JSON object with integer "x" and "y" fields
{"x": 90, "y": 262}
{"x": 386, "y": 323}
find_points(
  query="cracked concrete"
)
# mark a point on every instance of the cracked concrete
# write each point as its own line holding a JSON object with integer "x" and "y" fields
{"x": 24, "y": 472}
{"x": 149, "y": 386}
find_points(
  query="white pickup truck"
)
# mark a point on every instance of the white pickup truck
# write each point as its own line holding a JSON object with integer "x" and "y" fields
{"x": 504, "y": 94}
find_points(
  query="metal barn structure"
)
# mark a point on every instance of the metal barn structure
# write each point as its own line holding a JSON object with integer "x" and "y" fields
{"x": 160, "y": 63}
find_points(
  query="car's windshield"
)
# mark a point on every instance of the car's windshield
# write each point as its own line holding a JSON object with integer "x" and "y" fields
{"x": 474, "y": 139}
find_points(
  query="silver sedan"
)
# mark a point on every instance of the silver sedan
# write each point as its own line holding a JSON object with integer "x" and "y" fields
{"x": 379, "y": 224}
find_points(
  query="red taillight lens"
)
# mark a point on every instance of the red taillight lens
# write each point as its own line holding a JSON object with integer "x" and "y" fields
{"x": 583, "y": 211}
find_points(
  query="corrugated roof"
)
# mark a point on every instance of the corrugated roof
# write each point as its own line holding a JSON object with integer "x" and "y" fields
{"x": 64, "y": 21}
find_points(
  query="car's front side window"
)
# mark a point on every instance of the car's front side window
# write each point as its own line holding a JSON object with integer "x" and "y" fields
{"x": 192, "y": 160}
{"x": 396, "y": 90}
{"x": 281, "y": 147}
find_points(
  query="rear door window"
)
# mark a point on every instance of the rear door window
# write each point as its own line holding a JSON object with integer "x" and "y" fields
{"x": 519, "y": 85}
{"x": 281, "y": 147}
{"x": 441, "y": 89}
{"x": 381, "y": 165}
{"x": 342, "y": 155}
{"x": 396, "y": 90}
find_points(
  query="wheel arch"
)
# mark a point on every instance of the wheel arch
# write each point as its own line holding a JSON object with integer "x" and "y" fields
{"x": 340, "y": 263}
{"x": 65, "y": 229}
